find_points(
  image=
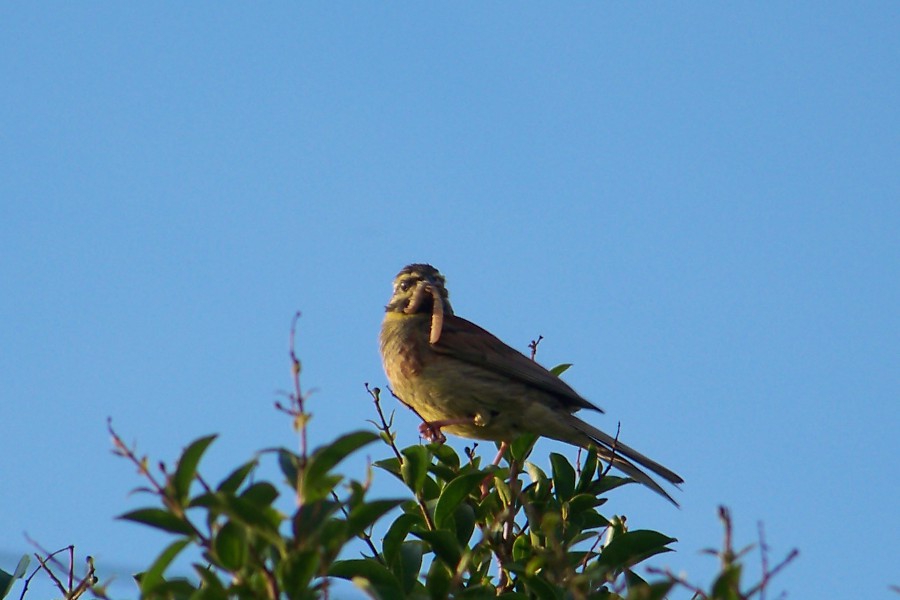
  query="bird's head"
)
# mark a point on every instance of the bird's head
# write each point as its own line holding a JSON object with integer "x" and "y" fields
{"x": 408, "y": 285}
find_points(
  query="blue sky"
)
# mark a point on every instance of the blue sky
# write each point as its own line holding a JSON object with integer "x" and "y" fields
{"x": 696, "y": 204}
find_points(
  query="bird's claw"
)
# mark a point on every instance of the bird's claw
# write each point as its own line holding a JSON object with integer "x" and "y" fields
{"x": 432, "y": 433}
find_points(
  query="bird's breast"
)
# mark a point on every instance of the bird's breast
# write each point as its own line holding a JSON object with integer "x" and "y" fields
{"x": 405, "y": 350}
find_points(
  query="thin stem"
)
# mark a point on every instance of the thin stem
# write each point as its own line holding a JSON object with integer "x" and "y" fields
{"x": 298, "y": 397}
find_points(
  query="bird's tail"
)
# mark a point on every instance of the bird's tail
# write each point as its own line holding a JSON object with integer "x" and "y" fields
{"x": 621, "y": 456}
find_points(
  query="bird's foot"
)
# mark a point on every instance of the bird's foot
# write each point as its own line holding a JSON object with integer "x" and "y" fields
{"x": 431, "y": 431}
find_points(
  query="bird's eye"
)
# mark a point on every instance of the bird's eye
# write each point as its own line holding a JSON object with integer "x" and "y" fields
{"x": 405, "y": 285}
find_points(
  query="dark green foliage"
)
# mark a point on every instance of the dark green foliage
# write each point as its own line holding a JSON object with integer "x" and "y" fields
{"x": 460, "y": 531}
{"x": 463, "y": 531}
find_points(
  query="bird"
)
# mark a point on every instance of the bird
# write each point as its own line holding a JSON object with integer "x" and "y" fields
{"x": 460, "y": 378}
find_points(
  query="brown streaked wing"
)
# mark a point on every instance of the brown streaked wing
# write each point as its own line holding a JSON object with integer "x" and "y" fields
{"x": 468, "y": 342}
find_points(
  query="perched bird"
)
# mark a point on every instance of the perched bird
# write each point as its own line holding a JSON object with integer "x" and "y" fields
{"x": 462, "y": 379}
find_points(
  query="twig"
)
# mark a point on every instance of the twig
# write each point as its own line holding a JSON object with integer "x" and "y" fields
{"x": 587, "y": 555}
{"x": 121, "y": 449}
{"x": 764, "y": 558}
{"x": 698, "y": 593}
{"x": 767, "y": 578}
{"x": 385, "y": 426}
{"x": 298, "y": 397}
{"x": 612, "y": 453}
{"x": 419, "y": 499}
{"x": 51, "y": 558}
{"x": 363, "y": 535}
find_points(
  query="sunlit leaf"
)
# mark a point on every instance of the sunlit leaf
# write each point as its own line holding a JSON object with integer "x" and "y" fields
{"x": 310, "y": 517}
{"x": 652, "y": 591}
{"x": 464, "y": 518}
{"x": 327, "y": 457}
{"x": 415, "y": 467}
{"x": 444, "y": 545}
{"x": 187, "y": 467}
{"x": 153, "y": 577}
{"x": 588, "y": 469}
{"x": 397, "y": 533}
{"x": 7, "y": 579}
{"x": 159, "y": 518}
{"x": 364, "y": 515}
{"x": 522, "y": 446}
{"x": 297, "y": 569}
{"x": 261, "y": 493}
{"x": 727, "y": 585}
{"x": 563, "y": 476}
{"x": 384, "y": 582}
{"x": 234, "y": 480}
{"x": 631, "y": 547}
{"x": 453, "y": 494}
{"x": 410, "y": 564}
{"x": 445, "y": 454}
{"x": 230, "y": 544}
{"x": 560, "y": 369}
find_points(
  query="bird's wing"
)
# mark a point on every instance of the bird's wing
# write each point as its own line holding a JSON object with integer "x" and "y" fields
{"x": 468, "y": 342}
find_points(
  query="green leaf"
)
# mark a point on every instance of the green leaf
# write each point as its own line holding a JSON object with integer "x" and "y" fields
{"x": 7, "y": 579}
{"x": 587, "y": 471}
{"x": 315, "y": 482}
{"x": 445, "y": 454}
{"x": 261, "y": 494}
{"x": 327, "y": 457}
{"x": 231, "y": 483}
{"x": 536, "y": 474}
{"x": 333, "y": 537}
{"x": 209, "y": 581}
{"x": 396, "y": 534}
{"x": 210, "y": 500}
{"x": 310, "y": 517}
{"x": 230, "y": 544}
{"x": 187, "y": 467}
{"x": 453, "y": 494}
{"x": 159, "y": 518}
{"x": 439, "y": 579}
{"x": 560, "y": 369}
{"x": 290, "y": 464}
{"x": 153, "y": 577}
{"x": 415, "y": 467}
{"x": 563, "y": 477}
{"x": 364, "y": 515}
{"x": 321, "y": 487}
{"x": 727, "y": 584}
{"x": 370, "y": 571}
{"x": 521, "y": 446}
{"x": 607, "y": 483}
{"x": 410, "y": 564}
{"x": 464, "y": 518}
{"x": 653, "y": 591}
{"x": 177, "y": 588}
{"x": 444, "y": 545}
{"x": 521, "y": 548}
{"x": 264, "y": 519}
{"x": 579, "y": 503}
{"x": 541, "y": 588}
{"x": 297, "y": 570}
{"x": 593, "y": 519}
{"x": 391, "y": 465}
{"x": 631, "y": 547}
